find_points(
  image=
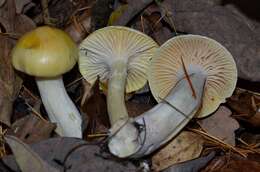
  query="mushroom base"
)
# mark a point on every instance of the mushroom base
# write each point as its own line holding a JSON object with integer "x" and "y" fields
{"x": 146, "y": 133}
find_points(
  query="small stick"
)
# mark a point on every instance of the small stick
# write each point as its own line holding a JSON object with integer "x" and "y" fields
{"x": 36, "y": 113}
{"x": 74, "y": 82}
{"x": 98, "y": 135}
{"x": 30, "y": 93}
{"x": 188, "y": 78}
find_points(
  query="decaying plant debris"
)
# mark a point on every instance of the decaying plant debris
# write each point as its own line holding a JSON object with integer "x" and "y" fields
{"x": 226, "y": 141}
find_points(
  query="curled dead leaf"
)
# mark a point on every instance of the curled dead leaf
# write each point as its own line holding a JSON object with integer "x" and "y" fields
{"x": 10, "y": 83}
{"x": 31, "y": 129}
{"x": 186, "y": 146}
{"x": 246, "y": 107}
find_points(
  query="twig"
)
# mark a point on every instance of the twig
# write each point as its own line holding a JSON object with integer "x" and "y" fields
{"x": 250, "y": 147}
{"x": 36, "y": 113}
{"x": 30, "y": 93}
{"x": 98, "y": 135}
{"x": 188, "y": 79}
{"x": 166, "y": 15}
{"x": 244, "y": 90}
{"x": 74, "y": 82}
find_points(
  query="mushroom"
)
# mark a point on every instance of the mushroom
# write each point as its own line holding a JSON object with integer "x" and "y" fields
{"x": 119, "y": 56}
{"x": 47, "y": 53}
{"x": 189, "y": 75}
{"x": 197, "y": 53}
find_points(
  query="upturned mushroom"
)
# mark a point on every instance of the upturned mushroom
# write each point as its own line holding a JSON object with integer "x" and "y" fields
{"x": 120, "y": 57}
{"x": 189, "y": 75}
{"x": 198, "y": 53}
{"x": 47, "y": 53}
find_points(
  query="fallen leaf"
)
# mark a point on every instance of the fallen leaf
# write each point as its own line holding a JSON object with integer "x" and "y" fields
{"x": 192, "y": 165}
{"x": 74, "y": 155}
{"x": 186, "y": 146}
{"x": 245, "y": 106}
{"x": 221, "y": 125}
{"x": 31, "y": 129}
{"x": 26, "y": 158}
{"x": 10, "y": 83}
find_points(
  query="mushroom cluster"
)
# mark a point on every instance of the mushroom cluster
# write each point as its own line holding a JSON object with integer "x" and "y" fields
{"x": 189, "y": 76}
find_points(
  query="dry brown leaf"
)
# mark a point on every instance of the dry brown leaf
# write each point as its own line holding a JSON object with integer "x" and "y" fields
{"x": 31, "y": 129}
{"x": 10, "y": 84}
{"x": 94, "y": 105}
{"x": 186, "y": 146}
{"x": 192, "y": 165}
{"x": 245, "y": 106}
{"x": 73, "y": 155}
{"x": 232, "y": 163}
{"x": 221, "y": 125}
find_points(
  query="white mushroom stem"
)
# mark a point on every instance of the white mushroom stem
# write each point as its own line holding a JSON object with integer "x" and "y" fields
{"x": 60, "y": 108}
{"x": 116, "y": 92}
{"x": 161, "y": 123}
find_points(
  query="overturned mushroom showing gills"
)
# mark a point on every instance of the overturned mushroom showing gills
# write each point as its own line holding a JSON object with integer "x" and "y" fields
{"x": 212, "y": 77}
{"x": 47, "y": 53}
{"x": 119, "y": 56}
{"x": 198, "y": 53}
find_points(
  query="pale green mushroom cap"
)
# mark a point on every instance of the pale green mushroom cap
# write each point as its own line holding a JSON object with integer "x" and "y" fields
{"x": 105, "y": 46}
{"x": 199, "y": 53}
{"x": 45, "y": 52}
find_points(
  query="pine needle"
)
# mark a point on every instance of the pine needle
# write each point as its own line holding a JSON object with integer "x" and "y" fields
{"x": 218, "y": 141}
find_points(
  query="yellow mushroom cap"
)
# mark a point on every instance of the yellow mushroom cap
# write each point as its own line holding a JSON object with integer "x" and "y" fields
{"x": 45, "y": 52}
{"x": 198, "y": 53}
{"x": 105, "y": 46}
